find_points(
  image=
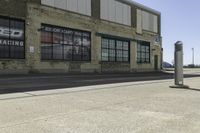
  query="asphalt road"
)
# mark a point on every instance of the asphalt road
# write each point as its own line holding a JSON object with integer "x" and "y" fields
{"x": 34, "y": 82}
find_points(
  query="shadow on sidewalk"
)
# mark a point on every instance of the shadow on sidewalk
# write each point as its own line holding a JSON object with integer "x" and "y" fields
{"x": 192, "y": 89}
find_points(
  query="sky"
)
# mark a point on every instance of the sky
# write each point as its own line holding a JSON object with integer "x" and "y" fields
{"x": 180, "y": 22}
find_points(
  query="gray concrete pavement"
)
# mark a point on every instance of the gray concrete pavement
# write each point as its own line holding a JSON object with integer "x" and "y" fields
{"x": 186, "y": 70}
{"x": 133, "y": 107}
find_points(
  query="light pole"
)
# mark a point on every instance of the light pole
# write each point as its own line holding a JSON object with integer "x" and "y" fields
{"x": 193, "y": 57}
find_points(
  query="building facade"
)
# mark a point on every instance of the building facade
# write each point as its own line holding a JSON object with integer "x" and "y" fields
{"x": 79, "y": 36}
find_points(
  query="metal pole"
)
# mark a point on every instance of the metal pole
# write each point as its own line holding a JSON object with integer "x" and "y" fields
{"x": 178, "y": 63}
{"x": 193, "y": 56}
{"x": 178, "y": 56}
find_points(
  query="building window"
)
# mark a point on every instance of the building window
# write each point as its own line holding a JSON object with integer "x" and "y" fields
{"x": 143, "y": 52}
{"x": 12, "y": 38}
{"x": 59, "y": 43}
{"x": 77, "y": 6}
{"x": 115, "y": 50}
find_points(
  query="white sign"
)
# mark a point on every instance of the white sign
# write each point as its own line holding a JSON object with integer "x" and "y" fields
{"x": 14, "y": 33}
{"x": 32, "y": 49}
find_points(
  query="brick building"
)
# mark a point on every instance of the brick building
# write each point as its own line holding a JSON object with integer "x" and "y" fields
{"x": 79, "y": 36}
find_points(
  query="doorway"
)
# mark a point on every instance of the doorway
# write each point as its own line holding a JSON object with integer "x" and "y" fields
{"x": 156, "y": 62}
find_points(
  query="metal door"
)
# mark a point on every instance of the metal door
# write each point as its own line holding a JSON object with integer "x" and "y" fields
{"x": 156, "y": 62}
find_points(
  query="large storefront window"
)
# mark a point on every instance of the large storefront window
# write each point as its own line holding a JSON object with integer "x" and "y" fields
{"x": 59, "y": 43}
{"x": 113, "y": 50}
{"x": 143, "y": 52}
{"x": 11, "y": 38}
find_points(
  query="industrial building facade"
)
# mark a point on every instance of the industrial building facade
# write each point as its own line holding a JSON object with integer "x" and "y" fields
{"x": 79, "y": 36}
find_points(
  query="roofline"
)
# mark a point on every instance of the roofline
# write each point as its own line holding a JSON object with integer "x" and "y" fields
{"x": 141, "y": 6}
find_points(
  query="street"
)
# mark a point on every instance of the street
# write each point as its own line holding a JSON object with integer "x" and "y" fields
{"x": 34, "y": 82}
{"x": 132, "y": 107}
{"x": 99, "y": 103}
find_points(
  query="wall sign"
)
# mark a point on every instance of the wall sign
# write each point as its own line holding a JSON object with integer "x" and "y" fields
{"x": 12, "y": 38}
{"x": 32, "y": 49}
{"x": 60, "y": 43}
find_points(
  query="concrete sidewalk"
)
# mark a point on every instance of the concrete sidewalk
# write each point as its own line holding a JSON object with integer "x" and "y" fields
{"x": 134, "y": 107}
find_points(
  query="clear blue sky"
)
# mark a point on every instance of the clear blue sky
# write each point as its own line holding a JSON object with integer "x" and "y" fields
{"x": 180, "y": 21}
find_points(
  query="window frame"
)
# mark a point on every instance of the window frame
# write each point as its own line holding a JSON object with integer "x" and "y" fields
{"x": 65, "y": 45}
{"x": 108, "y": 49}
{"x": 10, "y": 19}
{"x": 140, "y": 59}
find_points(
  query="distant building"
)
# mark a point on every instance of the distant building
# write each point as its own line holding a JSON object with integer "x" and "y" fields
{"x": 79, "y": 36}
